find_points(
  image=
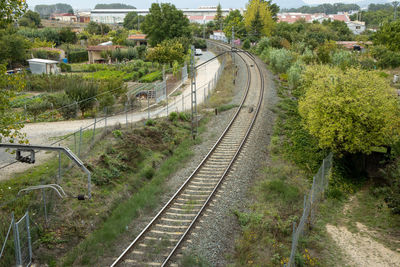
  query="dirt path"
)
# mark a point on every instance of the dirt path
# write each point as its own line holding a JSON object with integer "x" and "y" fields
{"x": 361, "y": 249}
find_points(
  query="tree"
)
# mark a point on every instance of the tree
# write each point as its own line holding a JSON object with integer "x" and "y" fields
{"x": 97, "y": 28}
{"x": 10, "y": 10}
{"x": 234, "y": 20}
{"x": 10, "y": 122}
{"x": 114, "y": 6}
{"x": 84, "y": 94}
{"x": 258, "y": 19}
{"x": 132, "y": 21}
{"x": 167, "y": 52}
{"x": 349, "y": 111}
{"x": 219, "y": 19}
{"x": 389, "y": 36}
{"x": 164, "y": 21}
{"x": 68, "y": 36}
{"x": 46, "y": 10}
{"x": 30, "y": 19}
{"x": 13, "y": 47}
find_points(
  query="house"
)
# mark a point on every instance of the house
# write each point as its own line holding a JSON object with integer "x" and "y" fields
{"x": 96, "y": 51}
{"x": 357, "y": 27}
{"x": 139, "y": 39}
{"x": 66, "y": 17}
{"x": 40, "y": 66}
{"x": 84, "y": 17}
{"x": 219, "y": 35}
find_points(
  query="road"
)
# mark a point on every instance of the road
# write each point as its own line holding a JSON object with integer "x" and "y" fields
{"x": 44, "y": 133}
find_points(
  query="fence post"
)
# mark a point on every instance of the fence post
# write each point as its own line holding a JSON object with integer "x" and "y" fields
{"x": 183, "y": 102}
{"x": 75, "y": 148}
{"x": 29, "y": 237}
{"x": 80, "y": 142}
{"x": 59, "y": 166}
{"x": 94, "y": 130}
{"x": 204, "y": 95}
{"x": 44, "y": 206}
{"x": 294, "y": 246}
{"x": 17, "y": 246}
{"x": 105, "y": 120}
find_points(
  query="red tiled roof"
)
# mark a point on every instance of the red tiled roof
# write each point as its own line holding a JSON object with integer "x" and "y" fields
{"x": 209, "y": 17}
{"x": 137, "y": 37}
{"x": 196, "y": 17}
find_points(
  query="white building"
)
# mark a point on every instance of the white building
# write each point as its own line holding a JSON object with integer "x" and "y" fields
{"x": 219, "y": 35}
{"x": 115, "y": 16}
{"x": 357, "y": 27}
{"x": 46, "y": 66}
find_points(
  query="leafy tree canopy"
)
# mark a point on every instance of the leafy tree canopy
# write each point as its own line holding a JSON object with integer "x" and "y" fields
{"x": 234, "y": 20}
{"x": 258, "y": 19}
{"x": 132, "y": 21}
{"x": 219, "y": 19}
{"x": 114, "y": 6}
{"x": 30, "y": 19}
{"x": 167, "y": 52}
{"x": 326, "y": 8}
{"x": 13, "y": 47}
{"x": 349, "y": 111}
{"x": 389, "y": 35}
{"x": 11, "y": 10}
{"x": 97, "y": 28}
{"x": 164, "y": 21}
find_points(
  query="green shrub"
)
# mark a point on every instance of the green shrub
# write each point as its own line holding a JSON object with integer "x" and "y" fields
{"x": 184, "y": 116}
{"x": 46, "y": 54}
{"x": 294, "y": 74}
{"x": 65, "y": 67}
{"x": 148, "y": 172}
{"x": 117, "y": 133}
{"x": 344, "y": 59}
{"x": 385, "y": 57}
{"x": 262, "y": 45}
{"x": 77, "y": 56}
{"x": 280, "y": 59}
{"x": 173, "y": 116}
{"x": 150, "y": 122}
{"x": 200, "y": 43}
{"x": 36, "y": 107}
{"x": 246, "y": 44}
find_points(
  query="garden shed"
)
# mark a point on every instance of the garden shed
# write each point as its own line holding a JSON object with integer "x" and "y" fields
{"x": 95, "y": 52}
{"x": 46, "y": 66}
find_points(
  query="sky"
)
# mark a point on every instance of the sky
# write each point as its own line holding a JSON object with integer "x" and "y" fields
{"x": 85, "y": 4}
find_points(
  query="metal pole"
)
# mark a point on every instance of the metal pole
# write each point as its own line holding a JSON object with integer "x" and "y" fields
{"x": 148, "y": 105}
{"x": 105, "y": 120}
{"x": 183, "y": 102}
{"x": 193, "y": 95}
{"x": 44, "y": 206}
{"x": 75, "y": 148}
{"x": 165, "y": 86}
{"x": 16, "y": 247}
{"x": 59, "y": 166}
{"x": 29, "y": 237}
{"x": 94, "y": 130}
{"x": 126, "y": 114}
{"x": 80, "y": 142}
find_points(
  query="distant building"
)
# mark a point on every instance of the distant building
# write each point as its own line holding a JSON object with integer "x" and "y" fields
{"x": 83, "y": 17}
{"x": 356, "y": 27}
{"x": 66, "y": 17}
{"x": 140, "y": 39}
{"x": 94, "y": 52}
{"x": 219, "y": 35}
{"x": 116, "y": 16}
{"x": 40, "y": 66}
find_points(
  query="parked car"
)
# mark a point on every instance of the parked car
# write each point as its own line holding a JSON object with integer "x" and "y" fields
{"x": 198, "y": 52}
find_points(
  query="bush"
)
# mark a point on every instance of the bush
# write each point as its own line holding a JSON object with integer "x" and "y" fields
{"x": 173, "y": 116}
{"x": 150, "y": 122}
{"x": 344, "y": 59}
{"x": 294, "y": 74}
{"x": 200, "y": 43}
{"x": 386, "y": 58}
{"x": 246, "y": 44}
{"x": 184, "y": 116}
{"x": 280, "y": 59}
{"x": 262, "y": 45}
{"x": 37, "y": 106}
{"x": 77, "y": 56}
{"x": 65, "y": 67}
{"x": 46, "y": 54}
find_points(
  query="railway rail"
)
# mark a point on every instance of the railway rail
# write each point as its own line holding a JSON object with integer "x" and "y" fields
{"x": 160, "y": 240}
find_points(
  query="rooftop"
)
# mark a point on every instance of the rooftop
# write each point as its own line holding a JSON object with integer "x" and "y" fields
{"x": 40, "y": 60}
{"x": 103, "y": 47}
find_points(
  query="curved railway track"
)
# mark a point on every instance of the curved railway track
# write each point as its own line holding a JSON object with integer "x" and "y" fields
{"x": 160, "y": 240}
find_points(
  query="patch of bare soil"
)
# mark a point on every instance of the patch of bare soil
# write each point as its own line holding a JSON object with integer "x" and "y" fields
{"x": 361, "y": 249}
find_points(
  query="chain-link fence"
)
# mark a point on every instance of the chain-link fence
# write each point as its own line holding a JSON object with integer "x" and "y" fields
{"x": 320, "y": 183}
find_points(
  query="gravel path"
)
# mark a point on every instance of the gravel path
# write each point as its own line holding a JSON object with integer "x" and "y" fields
{"x": 214, "y": 237}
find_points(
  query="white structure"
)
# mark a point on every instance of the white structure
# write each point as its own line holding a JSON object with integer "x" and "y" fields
{"x": 357, "y": 27}
{"x": 40, "y": 66}
{"x": 219, "y": 35}
{"x": 115, "y": 16}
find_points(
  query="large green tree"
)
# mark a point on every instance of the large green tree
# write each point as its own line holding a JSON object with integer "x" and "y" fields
{"x": 164, "y": 21}
{"x": 167, "y": 51}
{"x": 349, "y": 111}
{"x": 132, "y": 21}
{"x": 219, "y": 19}
{"x": 234, "y": 20}
{"x": 389, "y": 35}
{"x": 11, "y": 10}
{"x": 13, "y": 47}
{"x": 30, "y": 19}
{"x": 258, "y": 18}
{"x": 97, "y": 28}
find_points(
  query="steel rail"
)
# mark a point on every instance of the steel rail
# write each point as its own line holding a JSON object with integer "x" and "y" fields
{"x": 183, "y": 186}
{"x": 190, "y": 227}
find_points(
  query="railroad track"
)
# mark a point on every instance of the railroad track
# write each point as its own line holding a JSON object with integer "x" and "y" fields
{"x": 160, "y": 240}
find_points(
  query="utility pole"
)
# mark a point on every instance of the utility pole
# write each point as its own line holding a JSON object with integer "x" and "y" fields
{"x": 193, "y": 94}
{"x": 204, "y": 29}
{"x": 165, "y": 86}
{"x": 138, "y": 21}
{"x": 395, "y": 5}
{"x": 232, "y": 55}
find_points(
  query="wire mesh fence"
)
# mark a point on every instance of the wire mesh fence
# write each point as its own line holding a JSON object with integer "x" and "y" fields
{"x": 311, "y": 201}
{"x": 43, "y": 204}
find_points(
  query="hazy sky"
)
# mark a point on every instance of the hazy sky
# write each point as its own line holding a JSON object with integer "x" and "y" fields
{"x": 179, "y": 3}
